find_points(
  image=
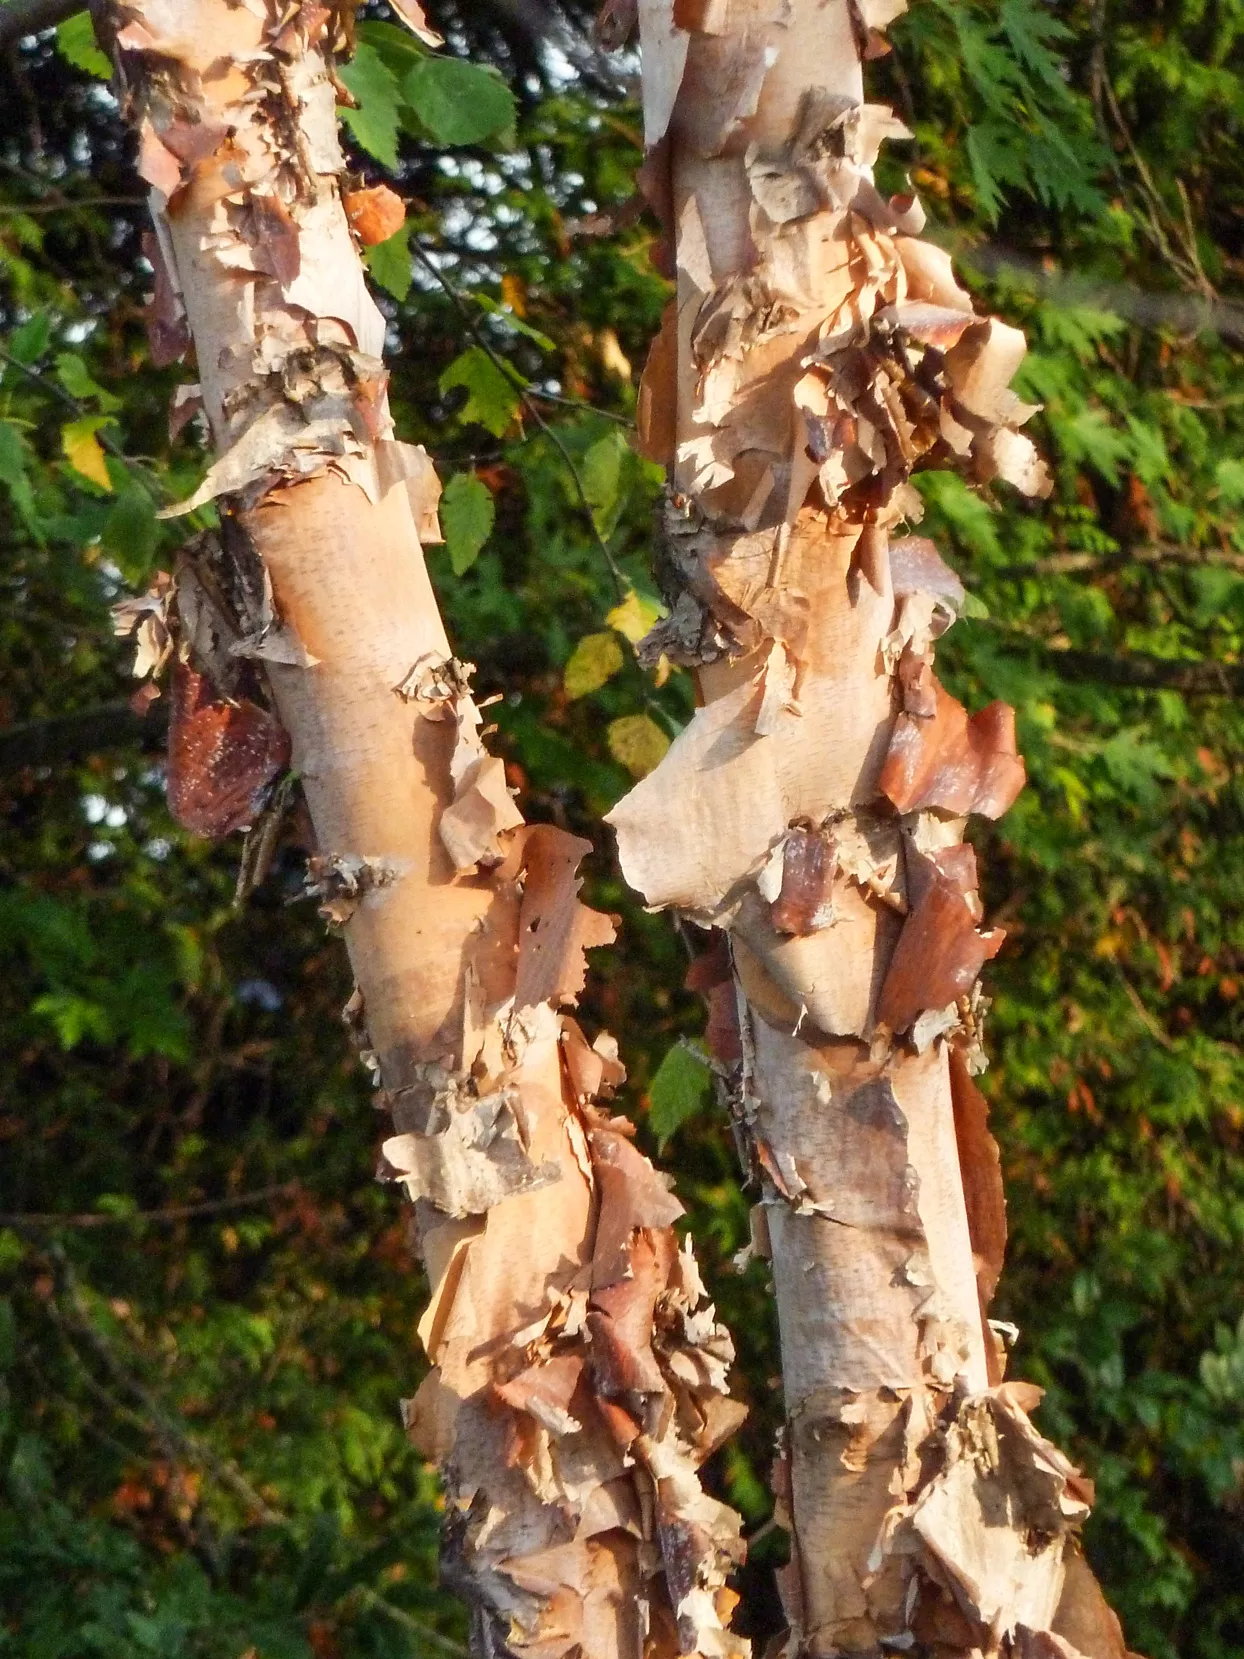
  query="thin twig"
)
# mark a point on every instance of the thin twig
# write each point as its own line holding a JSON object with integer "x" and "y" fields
{"x": 68, "y": 203}
{"x": 524, "y": 393}
{"x": 173, "y": 1212}
{"x": 617, "y": 576}
{"x": 104, "y": 439}
{"x": 1142, "y": 1013}
{"x": 172, "y": 1440}
{"x": 399, "y": 1615}
{"x": 79, "y": 1319}
{"x": 1066, "y": 564}
{"x": 1194, "y": 676}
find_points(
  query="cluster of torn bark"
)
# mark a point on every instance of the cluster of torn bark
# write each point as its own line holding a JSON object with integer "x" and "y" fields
{"x": 816, "y": 353}
{"x": 579, "y": 1372}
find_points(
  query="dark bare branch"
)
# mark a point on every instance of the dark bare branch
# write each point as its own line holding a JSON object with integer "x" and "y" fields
{"x": 63, "y": 739}
{"x": 1196, "y": 679}
{"x": 1161, "y": 553}
{"x": 19, "y": 18}
{"x": 172, "y": 1213}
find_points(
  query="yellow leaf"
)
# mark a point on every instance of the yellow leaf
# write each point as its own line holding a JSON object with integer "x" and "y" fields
{"x": 634, "y": 616}
{"x": 514, "y": 293}
{"x": 612, "y": 355}
{"x": 83, "y": 451}
{"x": 595, "y": 659}
{"x": 637, "y": 742}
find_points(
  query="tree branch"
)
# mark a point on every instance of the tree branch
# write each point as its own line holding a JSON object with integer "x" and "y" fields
{"x": 1161, "y": 553}
{"x": 65, "y": 738}
{"x": 1200, "y": 678}
{"x": 174, "y": 1212}
{"x": 19, "y": 18}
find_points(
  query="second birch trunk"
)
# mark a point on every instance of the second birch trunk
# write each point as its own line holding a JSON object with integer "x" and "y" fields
{"x": 816, "y": 353}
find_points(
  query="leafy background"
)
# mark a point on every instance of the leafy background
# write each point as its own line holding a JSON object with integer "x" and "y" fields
{"x": 199, "y": 1445}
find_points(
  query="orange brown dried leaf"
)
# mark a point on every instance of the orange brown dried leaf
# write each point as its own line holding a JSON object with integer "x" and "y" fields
{"x": 375, "y": 213}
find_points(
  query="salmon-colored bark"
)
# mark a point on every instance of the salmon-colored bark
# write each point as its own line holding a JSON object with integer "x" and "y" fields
{"x": 578, "y": 1373}
{"x": 816, "y": 353}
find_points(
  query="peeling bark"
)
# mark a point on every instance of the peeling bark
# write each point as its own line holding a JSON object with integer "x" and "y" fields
{"x": 579, "y": 1372}
{"x": 818, "y": 352}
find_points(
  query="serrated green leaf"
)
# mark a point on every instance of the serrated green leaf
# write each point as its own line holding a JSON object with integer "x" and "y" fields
{"x": 76, "y": 43}
{"x": 593, "y": 662}
{"x": 390, "y": 263}
{"x": 459, "y": 103}
{"x": 77, "y": 380}
{"x": 28, "y": 343}
{"x": 374, "y": 87}
{"x": 13, "y": 476}
{"x": 493, "y": 399}
{"x": 679, "y": 1091}
{"x": 467, "y": 513}
{"x": 601, "y": 472}
{"x": 73, "y": 1017}
{"x": 397, "y": 47}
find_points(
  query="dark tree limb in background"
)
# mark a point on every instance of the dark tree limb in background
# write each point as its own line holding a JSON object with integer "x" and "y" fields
{"x": 65, "y": 739}
{"x": 49, "y": 1220}
{"x": 20, "y": 18}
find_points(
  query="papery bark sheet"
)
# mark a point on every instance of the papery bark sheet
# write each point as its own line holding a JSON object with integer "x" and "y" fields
{"x": 579, "y": 1373}
{"x": 816, "y": 353}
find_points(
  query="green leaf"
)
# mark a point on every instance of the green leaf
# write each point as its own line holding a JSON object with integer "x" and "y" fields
{"x": 493, "y": 399}
{"x": 390, "y": 264}
{"x": 73, "y": 1017}
{"x": 1229, "y": 477}
{"x": 28, "y": 343}
{"x": 76, "y": 378}
{"x": 131, "y": 532}
{"x": 398, "y": 47}
{"x": 467, "y": 513}
{"x": 601, "y": 473}
{"x": 513, "y": 321}
{"x": 459, "y": 103}
{"x": 120, "y": 1204}
{"x": 13, "y": 476}
{"x": 373, "y": 85}
{"x": 76, "y": 43}
{"x": 594, "y": 661}
{"x": 679, "y": 1090}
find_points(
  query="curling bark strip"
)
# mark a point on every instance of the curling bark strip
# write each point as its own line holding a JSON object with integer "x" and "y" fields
{"x": 579, "y": 1373}
{"x": 816, "y": 353}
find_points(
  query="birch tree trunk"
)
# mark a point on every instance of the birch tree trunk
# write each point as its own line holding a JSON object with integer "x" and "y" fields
{"x": 579, "y": 1373}
{"x": 816, "y": 353}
